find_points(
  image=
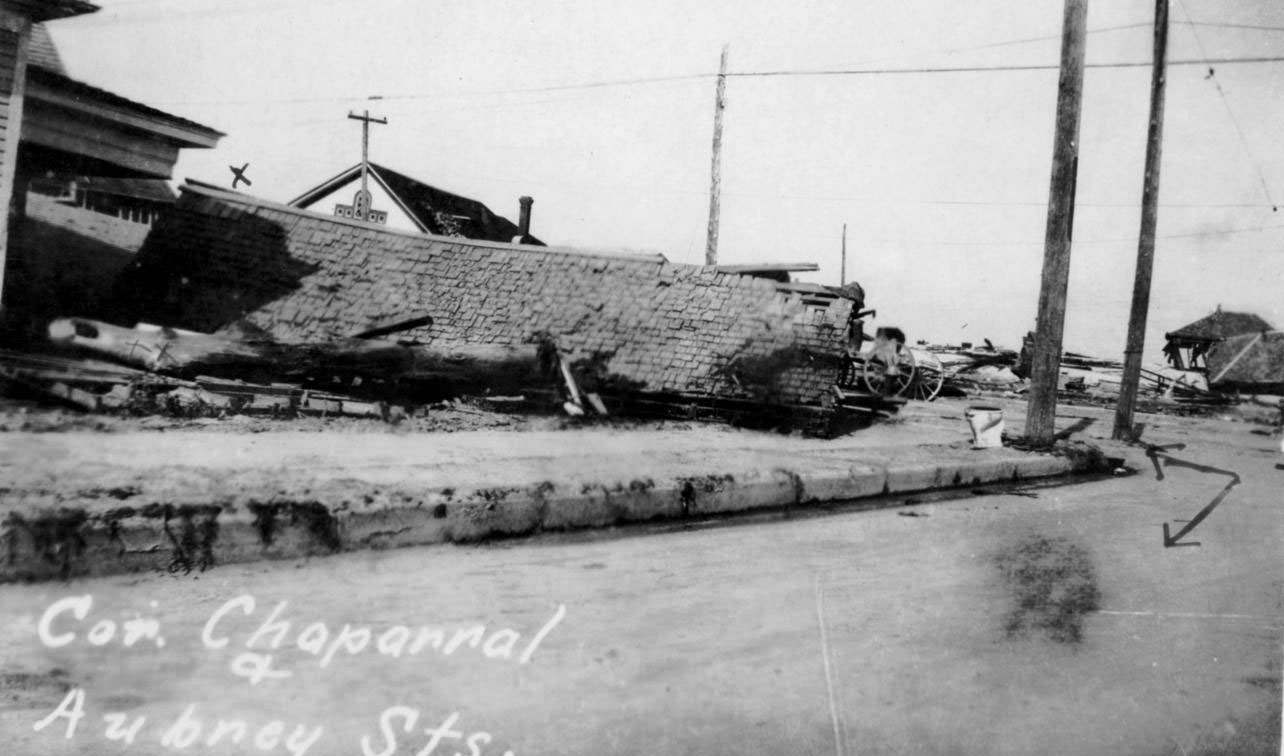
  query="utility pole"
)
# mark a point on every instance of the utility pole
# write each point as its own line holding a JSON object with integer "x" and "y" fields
{"x": 362, "y": 205}
{"x": 1124, "y": 429}
{"x": 1046, "y": 358}
{"x": 842, "y": 268}
{"x": 715, "y": 184}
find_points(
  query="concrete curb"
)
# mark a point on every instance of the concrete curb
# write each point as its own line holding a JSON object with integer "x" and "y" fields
{"x": 132, "y": 531}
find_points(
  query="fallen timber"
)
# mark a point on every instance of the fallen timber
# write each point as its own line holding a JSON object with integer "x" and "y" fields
{"x": 149, "y": 369}
{"x": 188, "y": 353}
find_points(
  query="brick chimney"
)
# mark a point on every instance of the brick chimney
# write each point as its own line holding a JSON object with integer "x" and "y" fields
{"x": 524, "y": 219}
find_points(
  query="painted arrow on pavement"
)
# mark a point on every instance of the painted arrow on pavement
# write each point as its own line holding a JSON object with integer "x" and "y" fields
{"x": 1160, "y": 461}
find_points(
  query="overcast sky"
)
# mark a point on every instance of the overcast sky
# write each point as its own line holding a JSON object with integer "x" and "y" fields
{"x": 603, "y": 112}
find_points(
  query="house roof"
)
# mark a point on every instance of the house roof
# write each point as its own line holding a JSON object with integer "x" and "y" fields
{"x": 47, "y": 10}
{"x": 1247, "y": 360}
{"x": 53, "y": 88}
{"x": 423, "y": 203}
{"x": 1219, "y": 325}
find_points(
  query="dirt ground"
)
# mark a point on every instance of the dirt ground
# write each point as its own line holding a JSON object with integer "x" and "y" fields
{"x": 1051, "y": 621}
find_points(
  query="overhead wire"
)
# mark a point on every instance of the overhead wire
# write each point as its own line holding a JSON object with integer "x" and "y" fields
{"x": 1204, "y": 60}
{"x": 1243, "y": 139}
{"x": 735, "y": 74}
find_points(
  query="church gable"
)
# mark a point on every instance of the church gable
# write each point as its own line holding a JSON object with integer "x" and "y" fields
{"x": 341, "y": 198}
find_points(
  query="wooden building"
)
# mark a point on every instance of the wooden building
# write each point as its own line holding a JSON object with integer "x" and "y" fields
{"x": 52, "y": 125}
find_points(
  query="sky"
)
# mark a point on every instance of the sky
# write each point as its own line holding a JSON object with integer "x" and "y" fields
{"x": 603, "y": 112}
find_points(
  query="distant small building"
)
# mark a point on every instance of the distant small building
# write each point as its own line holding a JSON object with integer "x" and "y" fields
{"x": 406, "y": 204}
{"x": 1188, "y": 345}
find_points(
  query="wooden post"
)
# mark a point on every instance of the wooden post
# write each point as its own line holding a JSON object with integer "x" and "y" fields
{"x": 715, "y": 184}
{"x": 1124, "y": 429}
{"x": 1046, "y": 357}
{"x": 15, "y": 30}
{"x": 842, "y": 267}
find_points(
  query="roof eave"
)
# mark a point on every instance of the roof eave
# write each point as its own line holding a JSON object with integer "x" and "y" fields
{"x": 52, "y": 10}
{"x": 182, "y": 133}
{"x": 325, "y": 187}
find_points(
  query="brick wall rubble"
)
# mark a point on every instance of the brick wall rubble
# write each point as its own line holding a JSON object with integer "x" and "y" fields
{"x": 636, "y": 321}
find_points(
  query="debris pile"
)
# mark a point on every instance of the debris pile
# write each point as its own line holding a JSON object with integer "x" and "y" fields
{"x": 970, "y": 369}
{"x": 269, "y": 305}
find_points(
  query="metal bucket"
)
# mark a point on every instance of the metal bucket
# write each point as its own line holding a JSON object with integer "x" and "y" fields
{"x": 987, "y": 426}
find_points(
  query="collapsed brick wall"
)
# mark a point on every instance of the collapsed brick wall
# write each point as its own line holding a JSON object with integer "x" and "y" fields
{"x": 644, "y": 323}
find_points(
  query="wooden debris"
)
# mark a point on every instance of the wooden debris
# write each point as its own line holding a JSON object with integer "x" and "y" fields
{"x": 187, "y": 353}
{"x": 96, "y": 387}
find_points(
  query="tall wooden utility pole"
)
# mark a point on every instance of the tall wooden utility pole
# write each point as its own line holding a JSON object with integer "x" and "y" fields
{"x": 1146, "y": 245}
{"x": 1046, "y": 358}
{"x": 842, "y": 267}
{"x": 361, "y": 206}
{"x": 715, "y": 184}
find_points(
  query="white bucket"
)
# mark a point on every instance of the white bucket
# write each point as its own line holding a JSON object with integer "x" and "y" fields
{"x": 987, "y": 426}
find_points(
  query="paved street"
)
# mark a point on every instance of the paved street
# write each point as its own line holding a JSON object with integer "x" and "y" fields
{"x": 1053, "y": 622}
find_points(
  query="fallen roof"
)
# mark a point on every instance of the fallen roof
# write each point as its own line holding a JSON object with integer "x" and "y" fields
{"x": 1219, "y": 325}
{"x": 202, "y": 188}
{"x": 218, "y": 258}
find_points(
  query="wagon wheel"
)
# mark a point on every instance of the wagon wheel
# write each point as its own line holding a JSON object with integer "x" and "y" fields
{"x": 876, "y": 374}
{"x": 929, "y": 376}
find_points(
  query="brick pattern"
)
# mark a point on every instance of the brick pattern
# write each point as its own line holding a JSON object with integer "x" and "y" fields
{"x": 645, "y": 323}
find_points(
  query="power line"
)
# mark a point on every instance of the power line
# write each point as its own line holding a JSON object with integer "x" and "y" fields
{"x": 1218, "y": 25}
{"x": 1045, "y": 38}
{"x": 990, "y": 69}
{"x": 1036, "y": 243}
{"x": 1243, "y": 140}
{"x": 737, "y": 74}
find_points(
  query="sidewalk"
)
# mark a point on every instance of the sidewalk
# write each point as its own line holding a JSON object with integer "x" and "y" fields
{"x": 91, "y": 503}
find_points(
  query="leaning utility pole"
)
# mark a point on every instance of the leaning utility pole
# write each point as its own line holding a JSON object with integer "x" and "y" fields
{"x": 715, "y": 184}
{"x": 362, "y": 205}
{"x": 1046, "y": 358}
{"x": 1146, "y": 245}
{"x": 842, "y": 267}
